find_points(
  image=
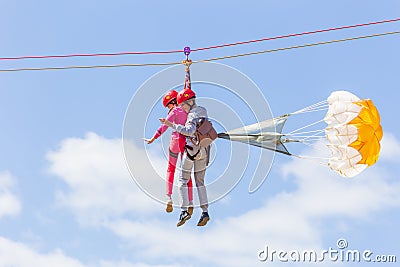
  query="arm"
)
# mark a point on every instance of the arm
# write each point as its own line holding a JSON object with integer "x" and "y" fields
{"x": 189, "y": 128}
{"x": 191, "y": 123}
{"x": 160, "y": 131}
{"x": 162, "y": 128}
{"x": 171, "y": 117}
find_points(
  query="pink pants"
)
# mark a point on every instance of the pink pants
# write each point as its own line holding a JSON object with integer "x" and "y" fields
{"x": 176, "y": 147}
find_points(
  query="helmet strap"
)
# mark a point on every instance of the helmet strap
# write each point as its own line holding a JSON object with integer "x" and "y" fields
{"x": 190, "y": 106}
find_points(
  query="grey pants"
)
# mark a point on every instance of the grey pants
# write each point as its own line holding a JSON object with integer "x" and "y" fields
{"x": 199, "y": 166}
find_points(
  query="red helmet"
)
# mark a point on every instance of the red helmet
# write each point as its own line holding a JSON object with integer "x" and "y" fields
{"x": 169, "y": 96}
{"x": 184, "y": 95}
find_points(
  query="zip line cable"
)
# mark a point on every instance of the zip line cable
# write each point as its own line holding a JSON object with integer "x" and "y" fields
{"x": 202, "y": 48}
{"x": 203, "y": 60}
{"x": 93, "y": 67}
{"x": 297, "y": 46}
{"x": 299, "y": 34}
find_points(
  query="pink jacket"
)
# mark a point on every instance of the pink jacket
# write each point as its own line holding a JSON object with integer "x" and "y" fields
{"x": 177, "y": 116}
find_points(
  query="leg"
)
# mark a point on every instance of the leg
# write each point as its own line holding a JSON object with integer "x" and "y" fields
{"x": 174, "y": 150}
{"x": 184, "y": 176}
{"x": 199, "y": 173}
{"x": 172, "y": 159}
{"x": 182, "y": 143}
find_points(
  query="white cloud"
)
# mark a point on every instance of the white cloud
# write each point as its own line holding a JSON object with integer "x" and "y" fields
{"x": 99, "y": 184}
{"x": 128, "y": 264}
{"x": 286, "y": 220}
{"x": 10, "y": 205}
{"x": 390, "y": 148}
{"x": 16, "y": 254}
{"x": 323, "y": 193}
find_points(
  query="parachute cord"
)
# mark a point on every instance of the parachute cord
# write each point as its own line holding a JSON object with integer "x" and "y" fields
{"x": 311, "y": 143}
{"x": 315, "y": 131}
{"x": 323, "y": 102}
{"x": 308, "y": 140}
{"x": 311, "y": 107}
{"x": 313, "y": 137}
{"x": 313, "y": 159}
{"x": 313, "y": 110}
{"x": 318, "y": 135}
{"x": 306, "y": 137}
{"x": 305, "y": 127}
{"x": 313, "y": 146}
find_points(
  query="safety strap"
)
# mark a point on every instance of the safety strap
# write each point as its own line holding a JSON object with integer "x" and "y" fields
{"x": 187, "y": 62}
{"x": 208, "y": 150}
{"x": 191, "y": 157}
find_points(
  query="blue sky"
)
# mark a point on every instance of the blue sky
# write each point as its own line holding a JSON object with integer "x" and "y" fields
{"x": 66, "y": 196}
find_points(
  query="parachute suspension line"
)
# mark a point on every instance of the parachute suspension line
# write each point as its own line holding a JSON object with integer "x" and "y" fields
{"x": 300, "y": 133}
{"x": 311, "y": 124}
{"x": 309, "y": 139}
{"x": 315, "y": 110}
{"x": 313, "y": 159}
{"x": 313, "y": 105}
{"x": 303, "y": 138}
{"x": 313, "y": 146}
{"x": 314, "y": 137}
{"x": 312, "y": 142}
{"x": 323, "y": 104}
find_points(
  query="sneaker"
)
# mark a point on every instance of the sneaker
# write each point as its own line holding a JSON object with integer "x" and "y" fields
{"x": 183, "y": 218}
{"x": 190, "y": 209}
{"x": 203, "y": 219}
{"x": 169, "y": 207}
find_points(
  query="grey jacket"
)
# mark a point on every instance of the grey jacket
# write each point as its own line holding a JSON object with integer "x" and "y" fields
{"x": 193, "y": 117}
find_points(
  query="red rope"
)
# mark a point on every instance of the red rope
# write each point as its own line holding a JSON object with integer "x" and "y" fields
{"x": 297, "y": 34}
{"x": 202, "y": 48}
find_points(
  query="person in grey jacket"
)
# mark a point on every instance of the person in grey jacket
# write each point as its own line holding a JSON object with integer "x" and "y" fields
{"x": 195, "y": 157}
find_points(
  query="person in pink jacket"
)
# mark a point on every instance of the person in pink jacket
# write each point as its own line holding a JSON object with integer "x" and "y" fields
{"x": 177, "y": 145}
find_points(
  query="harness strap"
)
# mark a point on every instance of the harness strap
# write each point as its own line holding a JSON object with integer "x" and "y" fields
{"x": 191, "y": 157}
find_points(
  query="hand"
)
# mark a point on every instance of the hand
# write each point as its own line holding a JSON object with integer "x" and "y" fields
{"x": 149, "y": 141}
{"x": 168, "y": 123}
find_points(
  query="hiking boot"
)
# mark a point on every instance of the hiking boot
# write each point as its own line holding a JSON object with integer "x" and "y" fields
{"x": 169, "y": 207}
{"x": 203, "y": 219}
{"x": 183, "y": 218}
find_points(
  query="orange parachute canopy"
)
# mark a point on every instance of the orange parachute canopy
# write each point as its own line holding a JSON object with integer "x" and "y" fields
{"x": 369, "y": 132}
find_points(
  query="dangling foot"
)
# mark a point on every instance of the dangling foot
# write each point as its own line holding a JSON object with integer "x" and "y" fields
{"x": 203, "y": 219}
{"x": 183, "y": 218}
{"x": 169, "y": 207}
{"x": 190, "y": 208}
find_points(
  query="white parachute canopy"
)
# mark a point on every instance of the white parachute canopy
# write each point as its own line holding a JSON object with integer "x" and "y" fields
{"x": 340, "y": 134}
